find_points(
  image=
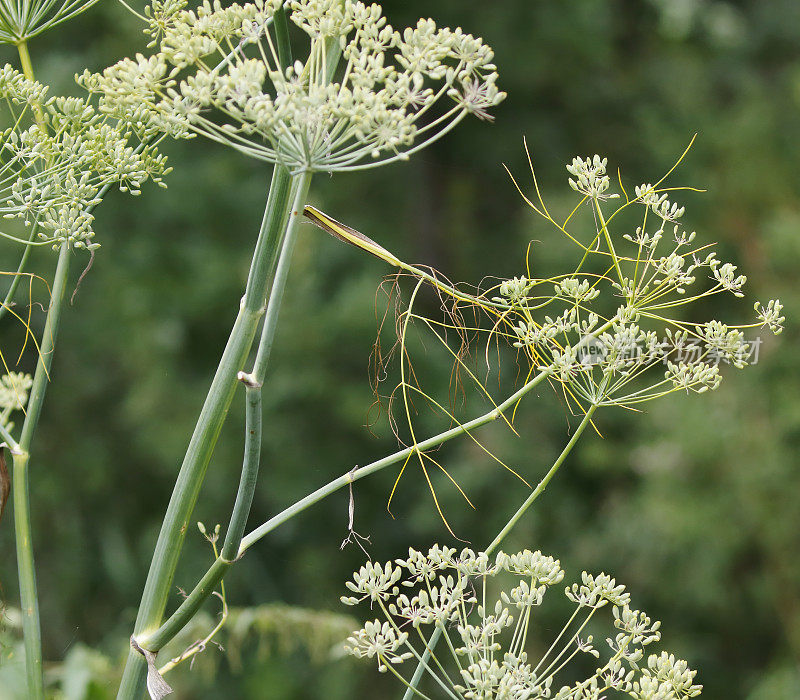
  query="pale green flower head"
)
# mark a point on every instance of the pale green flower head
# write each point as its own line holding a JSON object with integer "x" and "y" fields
{"x": 59, "y": 158}
{"x": 217, "y": 72}
{"x": 487, "y": 611}
{"x": 617, "y": 330}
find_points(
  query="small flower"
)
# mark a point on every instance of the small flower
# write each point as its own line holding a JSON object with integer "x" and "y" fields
{"x": 597, "y": 591}
{"x": 468, "y": 563}
{"x": 578, "y": 290}
{"x": 727, "y": 278}
{"x": 514, "y": 290}
{"x": 723, "y": 343}
{"x": 542, "y": 569}
{"x": 637, "y": 625}
{"x": 373, "y": 582}
{"x": 590, "y": 177}
{"x": 770, "y": 315}
{"x": 14, "y": 388}
{"x": 378, "y": 640}
{"x": 666, "y": 669}
{"x": 658, "y": 203}
{"x": 698, "y": 376}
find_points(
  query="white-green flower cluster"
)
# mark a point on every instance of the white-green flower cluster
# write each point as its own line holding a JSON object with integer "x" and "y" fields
{"x": 612, "y": 332}
{"x": 14, "y": 388}
{"x": 658, "y": 203}
{"x": 217, "y": 72}
{"x": 770, "y": 315}
{"x": 590, "y": 177}
{"x": 58, "y": 158}
{"x": 484, "y": 607}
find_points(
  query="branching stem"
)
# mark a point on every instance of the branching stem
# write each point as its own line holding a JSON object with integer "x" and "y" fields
{"x": 212, "y": 416}
{"x": 219, "y": 568}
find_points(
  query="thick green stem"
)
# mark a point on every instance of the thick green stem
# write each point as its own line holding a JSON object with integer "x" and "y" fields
{"x": 26, "y": 571}
{"x": 212, "y": 416}
{"x": 41, "y": 377}
{"x": 244, "y": 497}
{"x": 282, "y": 37}
{"x": 22, "y": 516}
{"x": 541, "y": 486}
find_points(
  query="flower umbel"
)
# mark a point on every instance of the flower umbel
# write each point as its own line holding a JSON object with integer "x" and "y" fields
{"x": 380, "y": 107}
{"x": 487, "y": 636}
{"x": 58, "y": 159}
{"x": 613, "y": 331}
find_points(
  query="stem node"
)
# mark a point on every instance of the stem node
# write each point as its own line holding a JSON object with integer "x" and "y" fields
{"x": 249, "y": 380}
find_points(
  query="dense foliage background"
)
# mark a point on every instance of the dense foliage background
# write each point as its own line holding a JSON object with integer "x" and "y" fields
{"x": 693, "y": 504}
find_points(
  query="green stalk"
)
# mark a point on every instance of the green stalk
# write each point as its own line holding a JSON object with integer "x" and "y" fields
{"x": 250, "y": 466}
{"x": 21, "y": 454}
{"x": 27, "y": 71}
{"x": 209, "y": 424}
{"x": 282, "y": 37}
{"x": 21, "y": 451}
{"x": 254, "y": 381}
{"x": 219, "y": 568}
{"x": 244, "y": 497}
{"x": 541, "y": 486}
{"x": 26, "y": 570}
{"x": 401, "y": 455}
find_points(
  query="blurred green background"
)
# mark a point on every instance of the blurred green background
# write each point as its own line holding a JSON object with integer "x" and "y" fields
{"x": 693, "y": 504}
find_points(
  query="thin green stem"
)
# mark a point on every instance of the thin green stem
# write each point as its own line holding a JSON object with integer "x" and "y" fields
{"x": 255, "y": 380}
{"x": 188, "y": 608}
{"x": 6, "y": 304}
{"x": 346, "y": 479}
{"x": 249, "y": 477}
{"x": 8, "y": 438}
{"x": 609, "y": 242}
{"x": 541, "y": 486}
{"x": 22, "y": 516}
